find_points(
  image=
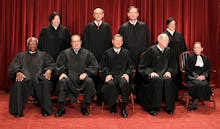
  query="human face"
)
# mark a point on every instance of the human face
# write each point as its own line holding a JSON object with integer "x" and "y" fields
{"x": 133, "y": 14}
{"x": 98, "y": 14}
{"x": 172, "y": 25}
{"x": 197, "y": 48}
{"x": 32, "y": 45}
{"x": 76, "y": 42}
{"x": 163, "y": 41}
{"x": 56, "y": 21}
{"x": 117, "y": 42}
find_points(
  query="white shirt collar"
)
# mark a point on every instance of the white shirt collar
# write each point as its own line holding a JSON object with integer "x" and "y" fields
{"x": 160, "y": 48}
{"x": 170, "y": 31}
{"x": 97, "y": 23}
{"x": 32, "y": 52}
{"x": 133, "y": 23}
{"x": 199, "y": 61}
{"x": 117, "y": 50}
{"x": 55, "y": 27}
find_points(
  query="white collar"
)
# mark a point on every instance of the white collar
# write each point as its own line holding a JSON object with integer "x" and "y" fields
{"x": 160, "y": 48}
{"x": 170, "y": 31}
{"x": 117, "y": 50}
{"x": 199, "y": 61}
{"x": 32, "y": 52}
{"x": 133, "y": 23}
{"x": 97, "y": 23}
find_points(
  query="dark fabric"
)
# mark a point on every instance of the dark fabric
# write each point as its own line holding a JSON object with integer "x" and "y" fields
{"x": 73, "y": 65}
{"x": 97, "y": 40}
{"x": 198, "y": 89}
{"x": 153, "y": 89}
{"x": 177, "y": 43}
{"x": 116, "y": 65}
{"x": 33, "y": 66}
{"x": 136, "y": 39}
{"x": 54, "y": 41}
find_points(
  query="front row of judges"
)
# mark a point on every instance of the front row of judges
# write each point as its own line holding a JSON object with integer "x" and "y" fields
{"x": 76, "y": 67}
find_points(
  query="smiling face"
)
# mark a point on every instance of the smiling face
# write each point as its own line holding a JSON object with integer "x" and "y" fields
{"x": 172, "y": 25}
{"x": 32, "y": 44}
{"x": 197, "y": 48}
{"x": 133, "y": 13}
{"x": 117, "y": 41}
{"x": 56, "y": 21}
{"x": 98, "y": 14}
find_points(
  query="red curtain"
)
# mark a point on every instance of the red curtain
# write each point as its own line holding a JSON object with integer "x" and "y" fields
{"x": 197, "y": 20}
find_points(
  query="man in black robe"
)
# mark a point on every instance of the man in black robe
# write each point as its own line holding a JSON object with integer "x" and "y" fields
{"x": 158, "y": 67}
{"x": 55, "y": 37}
{"x": 197, "y": 76}
{"x": 76, "y": 67}
{"x": 116, "y": 67}
{"x": 136, "y": 39}
{"x": 31, "y": 71}
{"x": 177, "y": 43}
{"x": 97, "y": 38}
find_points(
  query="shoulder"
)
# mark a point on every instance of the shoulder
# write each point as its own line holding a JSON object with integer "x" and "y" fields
{"x": 141, "y": 23}
{"x": 124, "y": 25}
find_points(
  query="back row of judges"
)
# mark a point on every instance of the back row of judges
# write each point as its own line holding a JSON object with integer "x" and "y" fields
{"x": 72, "y": 70}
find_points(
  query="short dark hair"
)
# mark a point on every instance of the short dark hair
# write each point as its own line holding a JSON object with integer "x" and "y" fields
{"x": 170, "y": 19}
{"x": 52, "y": 15}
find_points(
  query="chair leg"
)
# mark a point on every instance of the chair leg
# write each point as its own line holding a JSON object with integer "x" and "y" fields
{"x": 103, "y": 106}
{"x": 213, "y": 100}
{"x": 187, "y": 100}
{"x": 132, "y": 102}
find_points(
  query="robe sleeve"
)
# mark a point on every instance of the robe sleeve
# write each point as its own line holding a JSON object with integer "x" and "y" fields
{"x": 189, "y": 66}
{"x": 86, "y": 37}
{"x": 15, "y": 66}
{"x": 92, "y": 65}
{"x": 61, "y": 64}
{"x": 42, "y": 39}
{"x": 130, "y": 67}
{"x": 49, "y": 63}
{"x": 172, "y": 67}
{"x": 103, "y": 66}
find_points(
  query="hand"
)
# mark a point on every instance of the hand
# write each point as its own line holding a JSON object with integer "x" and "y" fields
{"x": 63, "y": 75}
{"x": 108, "y": 78}
{"x": 82, "y": 76}
{"x": 126, "y": 77}
{"x": 201, "y": 78}
{"x": 154, "y": 75}
{"x": 20, "y": 76}
{"x": 167, "y": 75}
{"x": 47, "y": 74}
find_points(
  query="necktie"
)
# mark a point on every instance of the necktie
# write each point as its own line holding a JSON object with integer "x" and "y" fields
{"x": 199, "y": 61}
{"x": 98, "y": 25}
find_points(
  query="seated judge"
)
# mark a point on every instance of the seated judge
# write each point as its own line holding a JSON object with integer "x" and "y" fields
{"x": 31, "y": 70}
{"x": 157, "y": 68}
{"x": 116, "y": 67}
{"x": 76, "y": 67}
{"x": 197, "y": 76}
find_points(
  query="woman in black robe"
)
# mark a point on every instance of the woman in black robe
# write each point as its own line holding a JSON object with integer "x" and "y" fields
{"x": 197, "y": 76}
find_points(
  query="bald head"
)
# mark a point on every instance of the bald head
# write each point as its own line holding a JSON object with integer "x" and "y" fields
{"x": 98, "y": 14}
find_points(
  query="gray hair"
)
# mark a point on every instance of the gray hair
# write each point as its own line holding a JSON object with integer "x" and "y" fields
{"x": 32, "y": 38}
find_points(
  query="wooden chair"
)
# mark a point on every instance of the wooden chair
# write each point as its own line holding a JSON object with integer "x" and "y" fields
{"x": 185, "y": 98}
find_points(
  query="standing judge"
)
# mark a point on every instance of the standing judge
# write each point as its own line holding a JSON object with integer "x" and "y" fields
{"x": 76, "y": 67}
{"x": 116, "y": 67}
{"x": 136, "y": 39}
{"x": 55, "y": 37}
{"x": 197, "y": 76}
{"x": 177, "y": 43}
{"x": 31, "y": 71}
{"x": 158, "y": 67}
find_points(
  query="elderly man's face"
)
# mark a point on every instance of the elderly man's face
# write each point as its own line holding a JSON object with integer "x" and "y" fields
{"x": 56, "y": 21}
{"x": 76, "y": 42}
{"x": 98, "y": 14}
{"x": 133, "y": 14}
{"x": 32, "y": 45}
{"x": 163, "y": 41}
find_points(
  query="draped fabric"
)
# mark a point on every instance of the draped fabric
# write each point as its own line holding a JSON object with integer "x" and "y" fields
{"x": 197, "y": 20}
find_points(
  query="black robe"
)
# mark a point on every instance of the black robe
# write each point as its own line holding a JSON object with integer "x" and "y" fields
{"x": 198, "y": 89}
{"x": 97, "y": 40}
{"x": 136, "y": 39}
{"x": 152, "y": 89}
{"x": 54, "y": 41}
{"x": 73, "y": 65}
{"x": 116, "y": 65}
{"x": 177, "y": 43}
{"x": 33, "y": 66}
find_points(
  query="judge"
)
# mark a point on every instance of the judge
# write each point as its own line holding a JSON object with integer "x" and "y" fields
{"x": 116, "y": 67}
{"x": 76, "y": 67}
{"x": 97, "y": 38}
{"x": 136, "y": 39}
{"x": 31, "y": 70}
{"x": 158, "y": 67}
{"x": 177, "y": 43}
{"x": 55, "y": 37}
{"x": 197, "y": 76}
